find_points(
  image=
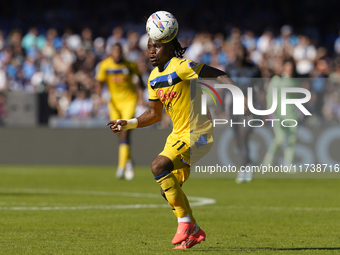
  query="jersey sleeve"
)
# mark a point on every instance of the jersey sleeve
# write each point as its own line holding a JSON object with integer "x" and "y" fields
{"x": 188, "y": 69}
{"x": 101, "y": 72}
{"x": 152, "y": 92}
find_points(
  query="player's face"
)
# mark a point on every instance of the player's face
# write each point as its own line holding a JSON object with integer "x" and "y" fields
{"x": 117, "y": 53}
{"x": 159, "y": 53}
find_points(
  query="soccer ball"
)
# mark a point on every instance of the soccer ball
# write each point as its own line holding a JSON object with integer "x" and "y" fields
{"x": 162, "y": 26}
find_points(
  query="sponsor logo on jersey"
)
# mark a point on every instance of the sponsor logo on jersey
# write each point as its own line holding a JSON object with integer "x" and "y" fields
{"x": 163, "y": 96}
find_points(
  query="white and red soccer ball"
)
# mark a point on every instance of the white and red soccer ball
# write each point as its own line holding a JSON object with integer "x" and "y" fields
{"x": 162, "y": 26}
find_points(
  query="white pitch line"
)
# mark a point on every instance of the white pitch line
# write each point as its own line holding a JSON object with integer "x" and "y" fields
{"x": 277, "y": 208}
{"x": 195, "y": 201}
{"x": 80, "y": 192}
{"x": 86, "y": 207}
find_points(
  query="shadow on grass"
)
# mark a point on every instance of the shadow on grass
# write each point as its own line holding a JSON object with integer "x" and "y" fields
{"x": 270, "y": 249}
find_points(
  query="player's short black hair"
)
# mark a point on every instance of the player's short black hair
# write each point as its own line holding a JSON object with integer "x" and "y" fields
{"x": 178, "y": 50}
{"x": 118, "y": 45}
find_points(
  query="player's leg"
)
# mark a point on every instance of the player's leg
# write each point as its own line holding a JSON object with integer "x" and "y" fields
{"x": 202, "y": 144}
{"x": 289, "y": 150}
{"x": 186, "y": 203}
{"x": 162, "y": 168}
{"x": 124, "y": 158}
{"x": 246, "y": 131}
{"x": 279, "y": 136}
{"x": 197, "y": 235}
{"x": 181, "y": 175}
{"x": 127, "y": 112}
{"x": 171, "y": 206}
{"x": 114, "y": 115}
{"x": 238, "y": 133}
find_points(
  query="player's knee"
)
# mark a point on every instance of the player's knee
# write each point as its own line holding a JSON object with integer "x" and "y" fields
{"x": 161, "y": 165}
{"x": 157, "y": 167}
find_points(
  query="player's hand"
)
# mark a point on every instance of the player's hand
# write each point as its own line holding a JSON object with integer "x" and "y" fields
{"x": 247, "y": 112}
{"x": 116, "y": 125}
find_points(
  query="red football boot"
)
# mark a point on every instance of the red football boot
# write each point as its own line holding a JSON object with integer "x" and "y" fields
{"x": 192, "y": 240}
{"x": 184, "y": 230}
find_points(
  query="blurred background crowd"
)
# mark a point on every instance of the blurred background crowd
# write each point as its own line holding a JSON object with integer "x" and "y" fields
{"x": 53, "y": 48}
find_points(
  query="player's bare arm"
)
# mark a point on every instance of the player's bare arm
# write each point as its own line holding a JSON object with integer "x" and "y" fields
{"x": 222, "y": 77}
{"x": 152, "y": 115}
{"x": 99, "y": 86}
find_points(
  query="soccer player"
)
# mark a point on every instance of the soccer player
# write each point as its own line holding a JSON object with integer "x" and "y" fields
{"x": 169, "y": 86}
{"x": 118, "y": 73}
{"x": 243, "y": 72}
{"x": 283, "y": 136}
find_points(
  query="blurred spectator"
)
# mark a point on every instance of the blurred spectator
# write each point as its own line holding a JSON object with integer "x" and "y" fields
{"x": 116, "y": 37}
{"x": 248, "y": 40}
{"x": 2, "y": 40}
{"x": 99, "y": 49}
{"x": 29, "y": 40}
{"x": 3, "y": 80}
{"x": 52, "y": 39}
{"x": 196, "y": 49}
{"x": 73, "y": 41}
{"x": 319, "y": 83}
{"x": 304, "y": 54}
{"x": 81, "y": 107}
{"x": 86, "y": 36}
{"x": 19, "y": 83}
{"x": 331, "y": 109}
{"x": 336, "y": 73}
{"x": 64, "y": 104}
{"x": 264, "y": 43}
{"x": 18, "y": 52}
{"x": 235, "y": 36}
{"x": 28, "y": 67}
{"x": 287, "y": 40}
{"x": 131, "y": 47}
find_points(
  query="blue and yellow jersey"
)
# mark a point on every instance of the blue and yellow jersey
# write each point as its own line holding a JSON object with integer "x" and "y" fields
{"x": 118, "y": 78}
{"x": 172, "y": 87}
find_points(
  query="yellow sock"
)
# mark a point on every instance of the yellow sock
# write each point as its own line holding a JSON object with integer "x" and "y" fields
{"x": 174, "y": 194}
{"x": 187, "y": 204}
{"x": 172, "y": 207}
{"x": 189, "y": 208}
{"x": 123, "y": 154}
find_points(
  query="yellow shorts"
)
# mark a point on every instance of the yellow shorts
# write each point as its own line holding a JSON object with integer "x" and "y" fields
{"x": 183, "y": 155}
{"x": 123, "y": 110}
{"x": 182, "y": 174}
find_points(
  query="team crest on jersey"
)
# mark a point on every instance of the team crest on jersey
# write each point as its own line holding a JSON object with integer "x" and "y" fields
{"x": 169, "y": 79}
{"x": 191, "y": 64}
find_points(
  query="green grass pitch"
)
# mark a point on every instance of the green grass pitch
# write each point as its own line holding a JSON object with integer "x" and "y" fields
{"x": 85, "y": 210}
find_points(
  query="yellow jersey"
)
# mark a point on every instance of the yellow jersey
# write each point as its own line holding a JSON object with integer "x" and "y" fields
{"x": 172, "y": 87}
{"x": 118, "y": 78}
